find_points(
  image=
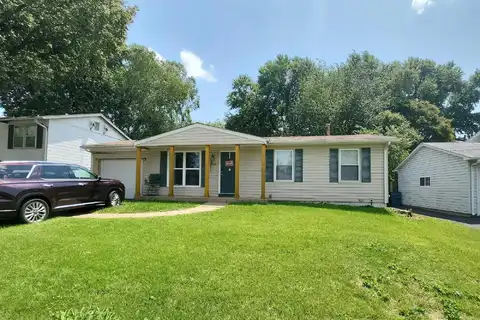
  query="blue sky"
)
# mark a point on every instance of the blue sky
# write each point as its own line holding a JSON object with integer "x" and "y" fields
{"x": 218, "y": 40}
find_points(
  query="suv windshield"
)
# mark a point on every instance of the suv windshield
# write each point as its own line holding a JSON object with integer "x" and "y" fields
{"x": 14, "y": 171}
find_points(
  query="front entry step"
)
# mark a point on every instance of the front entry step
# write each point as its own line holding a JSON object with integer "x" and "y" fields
{"x": 226, "y": 195}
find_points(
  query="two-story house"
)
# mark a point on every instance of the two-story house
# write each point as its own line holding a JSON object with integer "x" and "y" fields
{"x": 55, "y": 138}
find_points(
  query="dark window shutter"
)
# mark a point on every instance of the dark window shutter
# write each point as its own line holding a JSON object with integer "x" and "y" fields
{"x": 202, "y": 169}
{"x": 333, "y": 165}
{"x": 366, "y": 165}
{"x": 11, "y": 130}
{"x": 39, "y": 137}
{"x": 269, "y": 166}
{"x": 298, "y": 165}
{"x": 163, "y": 168}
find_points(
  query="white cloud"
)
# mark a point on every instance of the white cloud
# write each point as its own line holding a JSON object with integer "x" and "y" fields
{"x": 157, "y": 55}
{"x": 420, "y": 5}
{"x": 194, "y": 66}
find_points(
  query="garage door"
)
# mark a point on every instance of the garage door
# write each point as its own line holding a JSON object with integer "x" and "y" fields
{"x": 123, "y": 170}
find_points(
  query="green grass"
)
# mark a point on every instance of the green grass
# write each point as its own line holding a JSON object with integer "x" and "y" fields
{"x": 242, "y": 262}
{"x": 148, "y": 206}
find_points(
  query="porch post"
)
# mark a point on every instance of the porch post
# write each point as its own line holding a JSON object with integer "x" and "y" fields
{"x": 171, "y": 171}
{"x": 138, "y": 172}
{"x": 263, "y": 170}
{"x": 237, "y": 171}
{"x": 206, "y": 193}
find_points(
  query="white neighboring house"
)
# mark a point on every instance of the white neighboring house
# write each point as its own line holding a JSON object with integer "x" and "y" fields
{"x": 55, "y": 138}
{"x": 442, "y": 176}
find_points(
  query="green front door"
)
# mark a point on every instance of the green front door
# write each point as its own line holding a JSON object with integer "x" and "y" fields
{"x": 227, "y": 173}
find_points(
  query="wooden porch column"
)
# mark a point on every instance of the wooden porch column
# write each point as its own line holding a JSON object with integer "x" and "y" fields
{"x": 264, "y": 165}
{"x": 237, "y": 171}
{"x": 138, "y": 172}
{"x": 206, "y": 193}
{"x": 171, "y": 171}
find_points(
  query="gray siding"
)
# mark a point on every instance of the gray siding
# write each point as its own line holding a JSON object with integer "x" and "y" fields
{"x": 449, "y": 181}
{"x": 199, "y": 136}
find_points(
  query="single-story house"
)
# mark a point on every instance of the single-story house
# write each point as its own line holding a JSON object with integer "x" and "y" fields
{"x": 202, "y": 161}
{"x": 442, "y": 176}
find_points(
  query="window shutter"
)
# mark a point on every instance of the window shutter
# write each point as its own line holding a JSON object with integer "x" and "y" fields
{"x": 163, "y": 168}
{"x": 11, "y": 130}
{"x": 202, "y": 169}
{"x": 333, "y": 165}
{"x": 269, "y": 166}
{"x": 298, "y": 165}
{"x": 366, "y": 165}
{"x": 39, "y": 137}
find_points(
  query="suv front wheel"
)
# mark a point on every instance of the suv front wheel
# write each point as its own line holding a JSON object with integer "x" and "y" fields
{"x": 114, "y": 199}
{"x": 34, "y": 210}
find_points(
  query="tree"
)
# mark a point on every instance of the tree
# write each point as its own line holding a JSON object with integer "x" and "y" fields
{"x": 265, "y": 108}
{"x": 392, "y": 124}
{"x": 150, "y": 96}
{"x": 428, "y": 121}
{"x": 57, "y": 57}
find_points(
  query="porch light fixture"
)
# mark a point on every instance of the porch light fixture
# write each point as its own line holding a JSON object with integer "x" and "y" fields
{"x": 212, "y": 160}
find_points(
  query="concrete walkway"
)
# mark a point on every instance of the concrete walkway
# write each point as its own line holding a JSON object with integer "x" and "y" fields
{"x": 207, "y": 207}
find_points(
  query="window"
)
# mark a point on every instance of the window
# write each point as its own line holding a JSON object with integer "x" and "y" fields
{"x": 14, "y": 171}
{"x": 55, "y": 172}
{"x": 283, "y": 165}
{"x": 425, "y": 182}
{"x": 349, "y": 165}
{"x": 187, "y": 169}
{"x": 25, "y": 136}
{"x": 82, "y": 173}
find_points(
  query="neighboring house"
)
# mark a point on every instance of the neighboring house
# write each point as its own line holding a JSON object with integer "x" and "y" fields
{"x": 442, "y": 176}
{"x": 55, "y": 138}
{"x": 203, "y": 161}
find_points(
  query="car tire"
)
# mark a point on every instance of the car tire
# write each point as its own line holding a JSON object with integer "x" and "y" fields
{"x": 113, "y": 199}
{"x": 34, "y": 211}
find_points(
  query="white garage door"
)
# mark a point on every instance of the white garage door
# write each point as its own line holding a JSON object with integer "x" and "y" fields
{"x": 123, "y": 170}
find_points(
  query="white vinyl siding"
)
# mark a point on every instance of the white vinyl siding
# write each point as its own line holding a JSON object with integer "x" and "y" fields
{"x": 316, "y": 185}
{"x": 66, "y": 136}
{"x": 449, "y": 188}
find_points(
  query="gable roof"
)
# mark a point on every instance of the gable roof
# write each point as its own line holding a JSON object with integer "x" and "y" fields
{"x": 252, "y": 138}
{"x": 67, "y": 116}
{"x": 464, "y": 150}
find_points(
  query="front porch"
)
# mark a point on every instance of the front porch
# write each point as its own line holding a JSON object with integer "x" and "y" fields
{"x": 200, "y": 161}
{"x": 221, "y": 172}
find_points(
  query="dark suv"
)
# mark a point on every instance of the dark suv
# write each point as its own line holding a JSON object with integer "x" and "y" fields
{"x": 31, "y": 190}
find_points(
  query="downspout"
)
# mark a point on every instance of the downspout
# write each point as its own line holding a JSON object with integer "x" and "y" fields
{"x": 385, "y": 171}
{"x": 44, "y": 139}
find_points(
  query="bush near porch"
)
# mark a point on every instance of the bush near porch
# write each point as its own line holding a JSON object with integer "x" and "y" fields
{"x": 245, "y": 261}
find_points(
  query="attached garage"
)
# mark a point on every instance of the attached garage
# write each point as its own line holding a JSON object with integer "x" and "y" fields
{"x": 120, "y": 169}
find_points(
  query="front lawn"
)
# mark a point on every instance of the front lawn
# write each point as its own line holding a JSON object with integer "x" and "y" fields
{"x": 148, "y": 206}
{"x": 244, "y": 262}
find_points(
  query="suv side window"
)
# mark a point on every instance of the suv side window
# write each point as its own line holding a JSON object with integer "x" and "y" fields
{"x": 82, "y": 173}
{"x": 55, "y": 172}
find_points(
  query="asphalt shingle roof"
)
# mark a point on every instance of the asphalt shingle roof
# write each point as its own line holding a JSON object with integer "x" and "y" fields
{"x": 465, "y": 149}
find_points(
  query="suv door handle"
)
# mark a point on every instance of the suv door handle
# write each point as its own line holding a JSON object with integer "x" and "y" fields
{"x": 48, "y": 185}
